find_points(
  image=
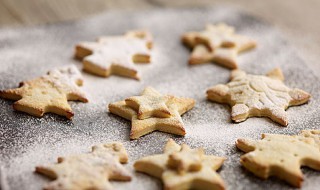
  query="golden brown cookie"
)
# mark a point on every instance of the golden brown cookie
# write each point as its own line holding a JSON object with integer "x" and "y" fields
{"x": 88, "y": 171}
{"x": 217, "y": 43}
{"x": 116, "y": 54}
{"x": 258, "y": 96}
{"x": 49, "y": 93}
{"x": 181, "y": 167}
{"x": 150, "y": 104}
{"x": 139, "y": 127}
{"x": 281, "y": 156}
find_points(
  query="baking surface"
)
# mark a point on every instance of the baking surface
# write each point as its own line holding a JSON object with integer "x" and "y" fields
{"x": 30, "y": 52}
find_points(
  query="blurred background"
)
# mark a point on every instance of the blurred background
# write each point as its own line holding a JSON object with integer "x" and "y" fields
{"x": 296, "y": 18}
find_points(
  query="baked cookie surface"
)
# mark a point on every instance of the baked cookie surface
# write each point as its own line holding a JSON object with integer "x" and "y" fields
{"x": 48, "y": 93}
{"x": 150, "y": 103}
{"x": 217, "y": 43}
{"x": 116, "y": 54}
{"x": 281, "y": 155}
{"x": 181, "y": 167}
{"x": 258, "y": 95}
{"x": 88, "y": 171}
{"x": 172, "y": 123}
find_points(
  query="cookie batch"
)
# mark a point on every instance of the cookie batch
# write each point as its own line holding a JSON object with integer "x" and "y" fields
{"x": 179, "y": 166}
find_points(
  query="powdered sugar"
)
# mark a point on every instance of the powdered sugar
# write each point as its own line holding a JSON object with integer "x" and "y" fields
{"x": 27, "y": 141}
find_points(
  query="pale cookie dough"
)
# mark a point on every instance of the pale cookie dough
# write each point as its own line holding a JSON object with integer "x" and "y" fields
{"x": 281, "y": 155}
{"x": 88, "y": 171}
{"x": 258, "y": 96}
{"x": 181, "y": 168}
{"x": 48, "y": 93}
{"x": 116, "y": 54}
{"x": 139, "y": 127}
{"x": 217, "y": 43}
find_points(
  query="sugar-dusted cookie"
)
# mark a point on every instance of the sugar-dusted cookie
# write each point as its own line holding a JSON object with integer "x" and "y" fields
{"x": 217, "y": 43}
{"x": 150, "y": 103}
{"x": 48, "y": 93}
{"x": 281, "y": 155}
{"x": 116, "y": 54}
{"x": 139, "y": 127}
{"x": 258, "y": 96}
{"x": 88, "y": 171}
{"x": 186, "y": 159}
{"x": 181, "y": 167}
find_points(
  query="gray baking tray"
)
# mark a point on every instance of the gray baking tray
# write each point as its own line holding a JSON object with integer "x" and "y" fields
{"x": 26, "y": 53}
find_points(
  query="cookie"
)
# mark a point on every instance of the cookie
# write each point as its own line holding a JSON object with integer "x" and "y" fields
{"x": 181, "y": 167}
{"x": 281, "y": 155}
{"x": 116, "y": 55}
{"x": 315, "y": 134}
{"x": 139, "y": 127}
{"x": 150, "y": 104}
{"x": 48, "y": 93}
{"x": 217, "y": 43}
{"x": 186, "y": 159}
{"x": 258, "y": 96}
{"x": 88, "y": 171}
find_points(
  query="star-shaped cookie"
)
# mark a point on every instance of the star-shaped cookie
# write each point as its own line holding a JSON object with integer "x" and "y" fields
{"x": 150, "y": 104}
{"x": 139, "y": 127}
{"x": 281, "y": 155}
{"x": 49, "y": 93}
{"x": 88, "y": 171}
{"x": 258, "y": 96}
{"x": 217, "y": 43}
{"x": 116, "y": 54}
{"x": 181, "y": 167}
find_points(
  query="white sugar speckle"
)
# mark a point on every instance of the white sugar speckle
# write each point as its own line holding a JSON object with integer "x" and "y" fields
{"x": 26, "y": 53}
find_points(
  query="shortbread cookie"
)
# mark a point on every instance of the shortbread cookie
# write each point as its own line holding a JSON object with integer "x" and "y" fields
{"x": 181, "y": 167}
{"x": 315, "y": 134}
{"x": 116, "y": 54}
{"x": 217, "y": 43}
{"x": 281, "y": 156}
{"x": 49, "y": 93}
{"x": 139, "y": 127}
{"x": 88, "y": 171}
{"x": 258, "y": 96}
{"x": 186, "y": 159}
{"x": 150, "y": 103}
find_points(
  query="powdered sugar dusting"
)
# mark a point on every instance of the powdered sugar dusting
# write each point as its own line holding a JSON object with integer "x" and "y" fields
{"x": 118, "y": 50}
{"x": 27, "y": 141}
